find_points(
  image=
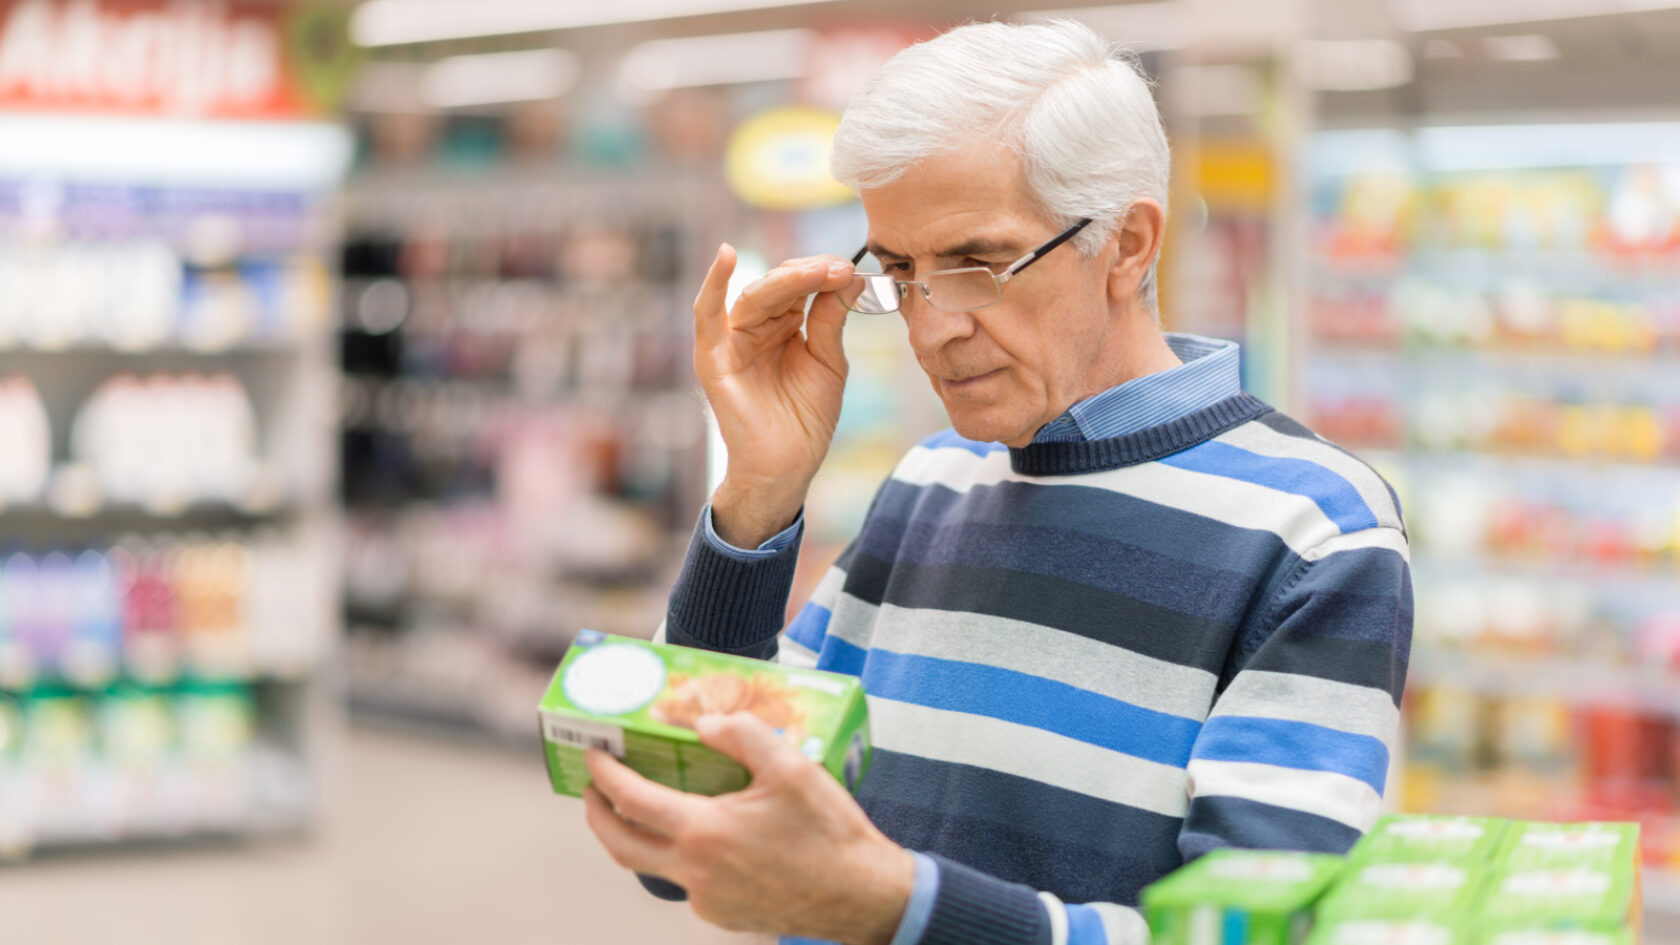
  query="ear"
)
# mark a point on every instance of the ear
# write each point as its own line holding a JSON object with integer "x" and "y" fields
{"x": 1136, "y": 241}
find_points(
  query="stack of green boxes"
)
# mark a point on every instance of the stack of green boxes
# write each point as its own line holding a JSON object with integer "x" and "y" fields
{"x": 1414, "y": 880}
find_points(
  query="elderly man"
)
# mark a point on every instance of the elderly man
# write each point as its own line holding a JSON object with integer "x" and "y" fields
{"x": 1122, "y": 614}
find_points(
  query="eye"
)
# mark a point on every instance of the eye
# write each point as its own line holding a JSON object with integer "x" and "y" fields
{"x": 897, "y": 268}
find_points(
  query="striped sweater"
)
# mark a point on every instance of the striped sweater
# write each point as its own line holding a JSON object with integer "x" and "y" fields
{"x": 1088, "y": 662}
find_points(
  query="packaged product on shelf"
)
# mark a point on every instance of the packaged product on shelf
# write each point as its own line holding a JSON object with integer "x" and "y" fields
{"x": 1391, "y": 932}
{"x": 1434, "y": 888}
{"x": 1579, "y": 896}
{"x": 1538, "y": 844}
{"x": 1556, "y": 937}
{"x": 1409, "y": 837}
{"x": 639, "y": 701}
{"x": 1268, "y": 895}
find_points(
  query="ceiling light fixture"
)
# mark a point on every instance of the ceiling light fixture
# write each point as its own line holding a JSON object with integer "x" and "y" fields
{"x": 1522, "y": 47}
{"x": 395, "y": 22}
{"x": 724, "y": 59}
{"x": 492, "y": 78}
{"x": 1425, "y": 16}
{"x": 1353, "y": 65}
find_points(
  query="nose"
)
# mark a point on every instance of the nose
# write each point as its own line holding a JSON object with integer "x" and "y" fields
{"x": 930, "y": 328}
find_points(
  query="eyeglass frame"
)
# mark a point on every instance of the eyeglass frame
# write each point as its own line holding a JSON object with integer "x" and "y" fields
{"x": 998, "y": 278}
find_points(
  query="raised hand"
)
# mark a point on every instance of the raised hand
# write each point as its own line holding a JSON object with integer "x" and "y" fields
{"x": 774, "y": 376}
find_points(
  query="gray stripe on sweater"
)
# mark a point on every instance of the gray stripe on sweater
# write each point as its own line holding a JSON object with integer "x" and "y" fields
{"x": 1108, "y": 670}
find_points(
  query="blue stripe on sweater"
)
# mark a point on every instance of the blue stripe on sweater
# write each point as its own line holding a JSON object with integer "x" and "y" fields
{"x": 1335, "y": 496}
{"x": 1085, "y": 927}
{"x": 950, "y": 438}
{"x": 839, "y": 656}
{"x": 1298, "y": 745}
{"x": 1025, "y": 699}
{"x": 810, "y": 626}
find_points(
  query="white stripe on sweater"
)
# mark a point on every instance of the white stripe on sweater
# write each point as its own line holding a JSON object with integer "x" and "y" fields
{"x": 1232, "y": 501}
{"x": 1027, "y": 752}
{"x": 1102, "y": 668}
{"x": 1334, "y": 796}
{"x": 1261, "y": 439}
{"x": 1357, "y": 710}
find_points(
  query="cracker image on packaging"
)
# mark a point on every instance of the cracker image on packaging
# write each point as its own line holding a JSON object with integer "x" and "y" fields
{"x": 639, "y": 701}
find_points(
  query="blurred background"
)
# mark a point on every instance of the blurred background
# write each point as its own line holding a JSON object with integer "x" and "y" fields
{"x": 344, "y": 376}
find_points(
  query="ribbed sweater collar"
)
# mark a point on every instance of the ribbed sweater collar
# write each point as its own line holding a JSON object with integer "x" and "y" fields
{"x": 1148, "y": 445}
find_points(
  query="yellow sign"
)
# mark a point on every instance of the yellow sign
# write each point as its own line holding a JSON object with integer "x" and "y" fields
{"x": 779, "y": 160}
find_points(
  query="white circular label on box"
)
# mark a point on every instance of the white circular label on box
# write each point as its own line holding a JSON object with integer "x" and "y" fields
{"x": 614, "y": 679}
{"x": 1573, "y": 840}
{"x": 1277, "y": 868}
{"x": 1413, "y": 876}
{"x": 1390, "y": 932}
{"x": 1435, "y": 829}
{"x": 1557, "y": 883}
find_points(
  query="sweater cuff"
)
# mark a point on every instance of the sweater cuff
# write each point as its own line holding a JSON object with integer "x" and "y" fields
{"x": 730, "y": 604}
{"x": 972, "y": 908}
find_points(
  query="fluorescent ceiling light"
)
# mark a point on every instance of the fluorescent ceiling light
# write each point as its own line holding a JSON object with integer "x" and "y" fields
{"x": 486, "y": 79}
{"x": 1162, "y": 25}
{"x": 393, "y": 22}
{"x": 717, "y": 60}
{"x": 1220, "y": 89}
{"x": 262, "y": 155}
{"x": 1422, "y": 16}
{"x": 1353, "y": 65}
{"x": 1524, "y": 47}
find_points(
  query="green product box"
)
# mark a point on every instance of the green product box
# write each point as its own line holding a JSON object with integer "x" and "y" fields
{"x": 639, "y": 700}
{"x": 1536, "y": 844}
{"x": 1415, "y": 931}
{"x": 1399, "y": 838}
{"x": 1232, "y": 897}
{"x": 1579, "y": 896}
{"x": 1442, "y": 889}
{"x": 1557, "y": 937}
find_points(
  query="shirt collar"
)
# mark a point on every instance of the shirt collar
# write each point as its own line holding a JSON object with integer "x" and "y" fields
{"x": 1210, "y": 373}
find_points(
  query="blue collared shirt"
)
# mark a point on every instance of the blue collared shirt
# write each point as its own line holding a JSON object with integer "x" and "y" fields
{"x": 1210, "y": 373}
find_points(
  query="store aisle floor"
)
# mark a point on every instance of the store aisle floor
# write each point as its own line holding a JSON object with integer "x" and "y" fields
{"x": 428, "y": 843}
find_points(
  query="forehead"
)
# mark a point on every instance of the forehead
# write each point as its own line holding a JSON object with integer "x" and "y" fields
{"x": 977, "y": 192}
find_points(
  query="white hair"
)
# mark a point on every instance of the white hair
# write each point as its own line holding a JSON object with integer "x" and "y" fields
{"x": 1077, "y": 111}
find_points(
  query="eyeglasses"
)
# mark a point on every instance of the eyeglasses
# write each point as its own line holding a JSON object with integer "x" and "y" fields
{"x": 949, "y": 290}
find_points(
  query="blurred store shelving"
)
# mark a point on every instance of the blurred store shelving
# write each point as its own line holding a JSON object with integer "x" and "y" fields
{"x": 166, "y": 578}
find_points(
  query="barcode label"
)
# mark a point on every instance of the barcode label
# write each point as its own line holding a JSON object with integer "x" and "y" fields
{"x": 576, "y": 733}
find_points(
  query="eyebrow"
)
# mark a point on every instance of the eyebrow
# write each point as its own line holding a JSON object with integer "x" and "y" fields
{"x": 980, "y": 246}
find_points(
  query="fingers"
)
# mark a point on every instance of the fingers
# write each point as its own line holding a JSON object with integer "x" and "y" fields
{"x": 744, "y": 737}
{"x": 709, "y": 314}
{"x": 629, "y": 846}
{"x": 824, "y": 330}
{"x": 654, "y": 806}
{"x": 782, "y": 290}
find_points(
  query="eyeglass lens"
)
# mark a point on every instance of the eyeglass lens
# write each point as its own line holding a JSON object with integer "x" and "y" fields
{"x": 959, "y": 291}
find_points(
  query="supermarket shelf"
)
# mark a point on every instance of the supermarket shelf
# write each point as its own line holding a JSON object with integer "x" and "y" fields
{"x": 1540, "y": 361}
{"x": 281, "y": 803}
{"x": 1571, "y": 680}
{"x": 123, "y": 516}
{"x": 1489, "y": 463}
{"x": 249, "y": 348}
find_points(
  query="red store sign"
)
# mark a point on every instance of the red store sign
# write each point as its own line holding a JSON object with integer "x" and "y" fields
{"x": 186, "y": 58}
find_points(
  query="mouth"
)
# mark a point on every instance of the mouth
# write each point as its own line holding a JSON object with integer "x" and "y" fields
{"x": 963, "y": 383}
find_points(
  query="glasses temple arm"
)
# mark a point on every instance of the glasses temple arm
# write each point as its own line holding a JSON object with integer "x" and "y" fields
{"x": 857, "y": 257}
{"x": 1038, "y": 253}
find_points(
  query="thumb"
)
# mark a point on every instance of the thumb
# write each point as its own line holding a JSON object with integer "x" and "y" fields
{"x": 743, "y": 737}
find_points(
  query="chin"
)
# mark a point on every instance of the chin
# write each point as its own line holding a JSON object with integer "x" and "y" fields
{"x": 977, "y": 426}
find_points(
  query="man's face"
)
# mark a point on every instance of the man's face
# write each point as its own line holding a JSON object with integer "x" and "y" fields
{"x": 1008, "y": 369}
